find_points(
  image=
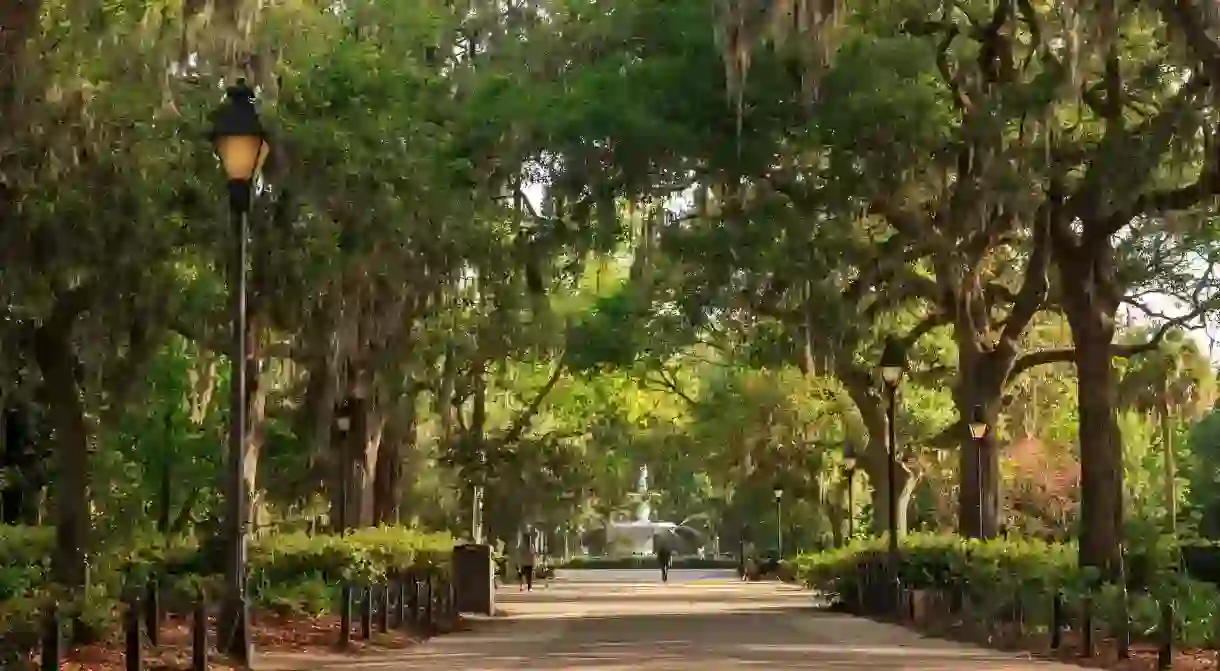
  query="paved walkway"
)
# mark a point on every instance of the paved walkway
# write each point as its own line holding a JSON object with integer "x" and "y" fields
{"x": 697, "y": 621}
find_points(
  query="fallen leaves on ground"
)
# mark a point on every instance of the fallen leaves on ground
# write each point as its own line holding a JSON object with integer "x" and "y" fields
{"x": 270, "y": 634}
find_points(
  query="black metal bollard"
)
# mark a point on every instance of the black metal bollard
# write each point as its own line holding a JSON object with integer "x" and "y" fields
{"x": 1086, "y": 627}
{"x": 366, "y": 612}
{"x": 152, "y": 612}
{"x": 1164, "y": 653}
{"x": 383, "y": 608}
{"x": 52, "y": 641}
{"x": 1056, "y": 620}
{"x": 345, "y": 616}
{"x": 131, "y": 629}
{"x": 199, "y": 634}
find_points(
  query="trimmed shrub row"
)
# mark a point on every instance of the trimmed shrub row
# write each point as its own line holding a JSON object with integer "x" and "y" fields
{"x": 1003, "y": 577}
{"x": 289, "y": 572}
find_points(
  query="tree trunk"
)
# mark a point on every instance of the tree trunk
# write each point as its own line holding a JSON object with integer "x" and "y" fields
{"x": 340, "y": 497}
{"x": 980, "y": 383}
{"x": 874, "y": 463}
{"x": 18, "y": 24}
{"x": 444, "y": 396}
{"x": 369, "y": 447}
{"x": 836, "y": 513}
{"x": 256, "y": 413}
{"x": 1101, "y": 468}
{"x": 314, "y": 424}
{"x": 397, "y": 443}
{"x": 1091, "y": 297}
{"x": 478, "y": 445}
{"x": 968, "y": 496}
{"x": 66, "y": 410}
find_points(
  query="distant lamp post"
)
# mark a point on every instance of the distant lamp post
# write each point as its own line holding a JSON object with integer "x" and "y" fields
{"x": 849, "y": 469}
{"x": 779, "y": 520}
{"x": 978, "y": 431}
{"x": 343, "y": 422}
{"x": 241, "y": 144}
{"x": 892, "y": 366}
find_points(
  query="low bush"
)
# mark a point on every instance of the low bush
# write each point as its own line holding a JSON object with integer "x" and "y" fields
{"x": 646, "y": 563}
{"x": 288, "y": 573}
{"x": 1005, "y": 576}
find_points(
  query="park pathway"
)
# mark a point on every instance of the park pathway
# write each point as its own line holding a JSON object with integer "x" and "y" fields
{"x": 602, "y": 621}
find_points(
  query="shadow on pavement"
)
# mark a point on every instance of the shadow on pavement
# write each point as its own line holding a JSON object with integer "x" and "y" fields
{"x": 778, "y": 638}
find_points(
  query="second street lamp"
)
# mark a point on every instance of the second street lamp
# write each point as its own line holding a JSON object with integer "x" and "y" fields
{"x": 892, "y": 366}
{"x": 978, "y": 431}
{"x": 241, "y": 144}
{"x": 779, "y": 521}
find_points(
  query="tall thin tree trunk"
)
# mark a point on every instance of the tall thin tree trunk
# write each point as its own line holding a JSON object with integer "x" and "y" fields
{"x": 66, "y": 409}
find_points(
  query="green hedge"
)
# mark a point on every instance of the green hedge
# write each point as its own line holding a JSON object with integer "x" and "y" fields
{"x": 288, "y": 572}
{"x": 995, "y": 575}
{"x": 646, "y": 563}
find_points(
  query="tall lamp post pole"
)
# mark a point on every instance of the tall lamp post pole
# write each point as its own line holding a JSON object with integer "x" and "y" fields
{"x": 978, "y": 431}
{"x": 849, "y": 466}
{"x": 241, "y": 144}
{"x": 344, "y": 423}
{"x": 779, "y": 521}
{"x": 893, "y": 364}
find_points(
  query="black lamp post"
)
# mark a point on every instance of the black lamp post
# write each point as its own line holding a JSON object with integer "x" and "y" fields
{"x": 893, "y": 364}
{"x": 343, "y": 422}
{"x": 779, "y": 521}
{"x": 978, "y": 431}
{"x": 241, "y": 144}
{"x": 849, "y": 467}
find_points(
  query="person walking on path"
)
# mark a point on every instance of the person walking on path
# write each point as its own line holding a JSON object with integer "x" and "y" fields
{"x": 525, "y": 563}
{"x": 664, "y": 557}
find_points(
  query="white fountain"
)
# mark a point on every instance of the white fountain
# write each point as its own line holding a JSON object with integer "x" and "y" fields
{"x": 635, "y": 537}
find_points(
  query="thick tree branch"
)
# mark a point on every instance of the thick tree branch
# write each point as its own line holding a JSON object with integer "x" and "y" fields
{"x": 1118, "y": 351}
{"x": 1111, "y": 198}
{"x": 522, "y": 423}
{"x": 928, "y": 324}
{"x": 1189, "y": 17}
{"x": 1035, "y": 286}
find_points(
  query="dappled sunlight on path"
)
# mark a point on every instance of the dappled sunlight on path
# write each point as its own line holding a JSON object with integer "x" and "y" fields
{"x": 647, "y": 626}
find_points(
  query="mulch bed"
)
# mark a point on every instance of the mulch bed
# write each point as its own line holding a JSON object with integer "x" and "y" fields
{"x": 1143, "y": 656}
{"x": 271, "y": 634}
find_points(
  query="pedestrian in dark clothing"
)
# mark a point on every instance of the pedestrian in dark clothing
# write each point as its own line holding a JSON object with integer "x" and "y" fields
{"x": 664, "y": 556}
{"x": 525, "y": 563}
